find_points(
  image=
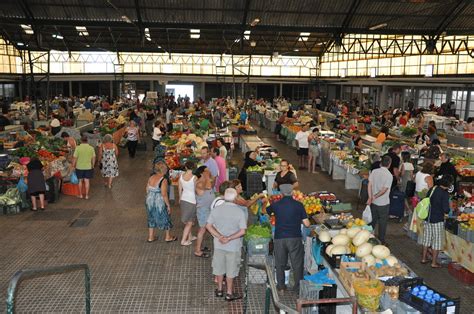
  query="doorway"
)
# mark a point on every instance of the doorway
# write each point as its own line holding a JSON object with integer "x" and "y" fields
{"x": 181, "y": 90}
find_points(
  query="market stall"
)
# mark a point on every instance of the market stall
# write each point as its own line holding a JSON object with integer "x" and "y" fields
{"x": 342, "y": 253}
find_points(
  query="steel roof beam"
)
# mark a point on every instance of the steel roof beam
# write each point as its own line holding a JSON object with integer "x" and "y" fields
{"x": 30, "y": 19}
{"x": 244, "y": 23}
{"x": 140, "y": 23}
{"x": 220, "y": 26}
{"x": 451, "y": 16}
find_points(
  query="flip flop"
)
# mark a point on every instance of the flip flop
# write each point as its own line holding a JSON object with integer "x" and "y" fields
{"x": 206, "y": 249}
{"x": 203, "y": 255}
{"x": 150, "y": 241}
{"x": 186, "y": 243}
{"x": 232, "y": 297}
{"x": 436, "y": 266}
{"x": 172, "y": 240}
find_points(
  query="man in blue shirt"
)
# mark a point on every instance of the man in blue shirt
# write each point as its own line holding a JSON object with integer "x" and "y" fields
{"x": 289, "y": 214}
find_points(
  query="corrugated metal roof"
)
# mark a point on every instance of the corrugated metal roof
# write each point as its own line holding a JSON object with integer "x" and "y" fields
{"x": 220, "y": 22}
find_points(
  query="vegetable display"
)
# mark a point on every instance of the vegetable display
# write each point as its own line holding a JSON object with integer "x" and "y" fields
{"x": 258, "y": 231}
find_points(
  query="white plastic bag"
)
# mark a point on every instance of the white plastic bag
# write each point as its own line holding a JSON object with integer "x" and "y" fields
{"x": 367, "y": 214}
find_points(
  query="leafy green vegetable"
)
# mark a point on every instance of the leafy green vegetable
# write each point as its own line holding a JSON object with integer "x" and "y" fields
{"x": 258, "y": 231}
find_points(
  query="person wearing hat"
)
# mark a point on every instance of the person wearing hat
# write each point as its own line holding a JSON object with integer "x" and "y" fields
{"x": 289, "y": 214}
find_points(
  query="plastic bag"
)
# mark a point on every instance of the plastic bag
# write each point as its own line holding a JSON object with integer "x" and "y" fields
{"x": 74, "y": 179}
{"x": 367, "y": 214}
{"x": 22, "y": 186}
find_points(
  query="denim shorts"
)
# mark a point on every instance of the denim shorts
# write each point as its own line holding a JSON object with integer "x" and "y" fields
{"x": 85, "y": 174}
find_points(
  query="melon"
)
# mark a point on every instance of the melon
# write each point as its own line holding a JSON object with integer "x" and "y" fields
{"x": 381, "y": 251}
{"x": 361, "y": 237}
{"x": 369, "y": 260}
{"x": 343, "y": 231}
{"x": 328, "y": 249}
{"x": 341, "y": 239}
{"x": 339, "y": 249}
{"x": 364, "y": 249}
{"x": 374, "y": 241}
{"x": 391, "y": 260}
{"x": 351, "y": 233}
{"x": 324, "y": 236}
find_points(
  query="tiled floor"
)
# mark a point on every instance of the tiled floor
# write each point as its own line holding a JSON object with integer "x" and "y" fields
{"x": 130, "y": 275}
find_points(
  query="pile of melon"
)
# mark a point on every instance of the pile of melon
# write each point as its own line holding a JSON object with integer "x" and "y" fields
{"x": 366, "y": 246}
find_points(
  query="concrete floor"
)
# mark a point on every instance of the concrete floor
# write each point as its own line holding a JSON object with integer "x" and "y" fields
{"x": 130, "y": 275}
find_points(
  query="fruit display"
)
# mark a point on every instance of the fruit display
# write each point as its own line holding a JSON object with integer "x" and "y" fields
{"x": 298, "y": 195}
{"x": 463, "y": 166}
{"x": 356, "y": 222}
{"x": 312, "y": 205}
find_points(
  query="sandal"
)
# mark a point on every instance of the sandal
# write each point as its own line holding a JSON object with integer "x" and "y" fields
{"x": 232, "y": 297}
{"x": 193, "y": 238}
{"x": 188, "y": 243}
{"x": 34, "y": 209}
{"x": 424, "y": 262}
{"x": 206, "y": 249}
{"x": 150, "y": 241}
{"x": 202, "y": 255}
{"x": 172, "y": 239}
{"x": 219, "y": 293}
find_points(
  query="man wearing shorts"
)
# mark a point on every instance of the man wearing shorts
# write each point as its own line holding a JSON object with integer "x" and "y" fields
{"x": 84, "y": 161}
{"x": 303, "y": 146}
{"x": 227, "y": 224}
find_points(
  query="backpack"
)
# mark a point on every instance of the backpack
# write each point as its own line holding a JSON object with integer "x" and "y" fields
{"x": 423, "y": 208}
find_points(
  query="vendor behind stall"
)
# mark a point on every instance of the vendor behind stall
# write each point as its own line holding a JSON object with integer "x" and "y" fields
{"x": 285, "y": 176}
{"x": 55, "y": 125}
{"x": 447, "y": 168}
{"x": 289, "y": 214}
{"x": 249, "y": 161}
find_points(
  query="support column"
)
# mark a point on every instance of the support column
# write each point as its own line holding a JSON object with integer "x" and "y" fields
{"x": 111, "y": 84}
{"x": 384, "y": 97}
{"x": 80, "y": 90}
{"x": 281, "y": 89}
{"x": 151, "y": 86}
{"x": 203, "y": 90}
{"x": 468, "y": 105}
{"x": 70, "y": 88}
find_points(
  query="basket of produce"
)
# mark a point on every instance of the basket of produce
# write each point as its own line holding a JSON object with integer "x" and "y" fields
{"x": 368, "y": 293}
{"x": 258, "y": 237}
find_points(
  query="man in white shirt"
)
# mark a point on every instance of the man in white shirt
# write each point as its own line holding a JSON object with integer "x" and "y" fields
{"x": 380, "y": 182}
{"x": 303, "y": 145}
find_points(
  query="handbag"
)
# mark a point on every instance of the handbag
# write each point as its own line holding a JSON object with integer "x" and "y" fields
{"x": 423, "y": 208}
{"x": 410, "y": 189}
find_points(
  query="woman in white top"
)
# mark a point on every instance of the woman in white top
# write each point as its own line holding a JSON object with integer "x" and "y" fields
{"x": 132, "y": 133}
{"x": 187, "y": 201}
{"x": 424, "y": 179}
{"x": 156, "y": 137}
